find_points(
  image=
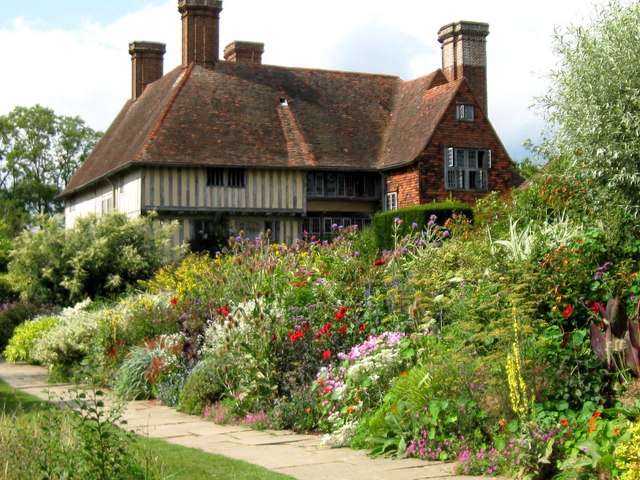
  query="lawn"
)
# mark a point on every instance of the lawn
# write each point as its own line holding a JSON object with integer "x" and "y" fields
{"x": 177, "y": 461}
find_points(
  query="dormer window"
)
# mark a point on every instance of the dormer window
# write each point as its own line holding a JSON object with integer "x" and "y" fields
{"x": 465, "y": 112}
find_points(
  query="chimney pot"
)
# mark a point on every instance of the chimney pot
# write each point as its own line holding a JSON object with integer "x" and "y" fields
{"x": 200, "y": 31}
{"x": 464, "y": 54}
{"x": 244, "y": 52}
{"x": 146, "y": 65}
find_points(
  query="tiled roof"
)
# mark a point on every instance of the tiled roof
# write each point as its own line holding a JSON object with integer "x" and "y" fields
{"x": 257, "y": 115}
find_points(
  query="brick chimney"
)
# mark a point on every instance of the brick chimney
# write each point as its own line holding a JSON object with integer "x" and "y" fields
{"x": 146, "y": 65}
{"x": 464, "y": 54}
{"x": 244, "y": 52}
{"x": 200, "y": 31}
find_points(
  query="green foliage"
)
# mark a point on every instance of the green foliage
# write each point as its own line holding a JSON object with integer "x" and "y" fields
{"x": 25, "y": 335}
{"x": 40, "y": 151}
{"x": 383, "y": 223}
{"x": 12, "y": 315}
{"x": 627, "y": 454}
{"x": 68, "y": 342}
{"x": 37, "y": 263}
{"x": 85, "y": 444}
{"x": 144, "y": 366}
{"x": 592, "y": 107}
{"x": 98, "y": 257}
{"x": 203, "y": 387}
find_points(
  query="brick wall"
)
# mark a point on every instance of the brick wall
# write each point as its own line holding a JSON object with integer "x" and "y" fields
{"x": 424, "y": 181}
{"x": 405, "y": 182}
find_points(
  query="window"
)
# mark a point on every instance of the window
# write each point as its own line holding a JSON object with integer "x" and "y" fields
{"x": 106, "y": 205}
{"x": 235, "y": 177}
{"x": 322, "y": 227}
{"x": 215, "y": 177}
{"x": 331, "y": 185}
{"x": 391, "y": 201}
{"x": 343, "y": 185}
{"x": 465, "y": 112}
{"x": 467, "y": 169}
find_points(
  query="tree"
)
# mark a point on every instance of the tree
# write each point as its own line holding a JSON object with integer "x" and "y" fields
{"x": 40, "y": 151}
{"x": 593, "y": 107}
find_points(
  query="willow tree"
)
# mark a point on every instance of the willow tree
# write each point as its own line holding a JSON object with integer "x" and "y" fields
{"x": 592, "y": 108}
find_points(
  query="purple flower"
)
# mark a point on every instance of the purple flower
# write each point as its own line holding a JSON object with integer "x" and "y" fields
{"x": 414, "y": 225}
{"x": 397, "y": 221}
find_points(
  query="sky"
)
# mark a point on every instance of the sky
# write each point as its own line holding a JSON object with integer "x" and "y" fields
{"x": 72, "y": 55}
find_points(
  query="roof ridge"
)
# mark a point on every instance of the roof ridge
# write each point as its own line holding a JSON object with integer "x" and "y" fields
{"x": 165, "y": 112}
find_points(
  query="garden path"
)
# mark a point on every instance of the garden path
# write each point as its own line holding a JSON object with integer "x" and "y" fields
{"x": 300, "y": 456}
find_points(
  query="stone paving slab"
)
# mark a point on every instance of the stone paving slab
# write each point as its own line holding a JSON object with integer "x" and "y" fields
{"x": 300, "y": 456}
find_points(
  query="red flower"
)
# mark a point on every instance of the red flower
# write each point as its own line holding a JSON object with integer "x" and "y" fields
{"x": 326, "y": 354}
{"x": 362, "y": 328}
{"x": 377, "y": 263}
{"x": 567, "y": 311}
{"x": 341, "y": 313}
{"x": 596, "y": 307}
{"x": 596, "y": 414}
{"x": 173, "y": 301}
{"x": 564, "y": 422}
{"x": 295, "y": 336}
{"x": 343, "y": 329}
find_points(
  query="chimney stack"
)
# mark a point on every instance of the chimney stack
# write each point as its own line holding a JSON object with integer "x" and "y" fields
{"x": 244, "y": 52}
{"x": 464, "y": 54}
{"x": 146, "y": 65}
{"x": 200, "y": 31}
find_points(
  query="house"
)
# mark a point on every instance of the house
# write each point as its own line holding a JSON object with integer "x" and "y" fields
{"x": 225, "y": 145}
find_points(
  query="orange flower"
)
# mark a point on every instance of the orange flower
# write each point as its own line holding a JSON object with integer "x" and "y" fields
{"x": 405, "y": 374}
{"x": 596, "y": 414}
{"x": 350, "y": 408}
{"x": 502, "y": 422}
{"x": 616, "y": 431}
{"x": 564, "y": 422}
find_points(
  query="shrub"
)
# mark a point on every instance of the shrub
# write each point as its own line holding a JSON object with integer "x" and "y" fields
{"x": 98, "y": 257}
{"x": 242, "y": 355}
{"x": 66, "y": 345}
{"x": 12, "y": 315}
{"x": 203, "y": 387}
{"x": 24, "y": 337}
{"x": 383, "y": 223}
{"x": 627, "y": 455}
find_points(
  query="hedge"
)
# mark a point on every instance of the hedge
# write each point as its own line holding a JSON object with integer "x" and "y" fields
{"x": 382, "y": 223}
